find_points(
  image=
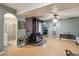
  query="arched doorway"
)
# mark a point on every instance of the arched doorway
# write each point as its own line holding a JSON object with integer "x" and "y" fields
{"x": 10, "y": 30}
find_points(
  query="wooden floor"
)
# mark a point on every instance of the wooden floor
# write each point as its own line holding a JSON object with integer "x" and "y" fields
{"x": 53, "y": 47}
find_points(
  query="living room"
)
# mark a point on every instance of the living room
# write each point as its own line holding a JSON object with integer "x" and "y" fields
{"x": 45, "y": 27}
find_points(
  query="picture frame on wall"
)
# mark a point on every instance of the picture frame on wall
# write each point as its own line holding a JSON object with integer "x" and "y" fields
{"x": 21, "y": 25}
{"x": 24, "y": 24}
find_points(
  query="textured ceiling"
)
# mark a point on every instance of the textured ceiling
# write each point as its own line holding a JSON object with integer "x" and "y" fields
{"x": 45, "y": 11}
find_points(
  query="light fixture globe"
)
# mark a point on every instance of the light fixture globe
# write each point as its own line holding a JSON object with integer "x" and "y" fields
{"x": 55, "y": 20}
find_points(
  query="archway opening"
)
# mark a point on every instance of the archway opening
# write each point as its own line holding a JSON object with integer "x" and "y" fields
{"x": 10, "y": 30}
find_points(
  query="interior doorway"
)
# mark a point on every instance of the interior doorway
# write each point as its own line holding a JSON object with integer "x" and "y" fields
{"x": 45, "y": 28}
{"x": 10, "y": 30}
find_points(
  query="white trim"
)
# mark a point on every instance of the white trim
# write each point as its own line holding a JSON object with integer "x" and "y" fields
{"x": 16, "y": 32}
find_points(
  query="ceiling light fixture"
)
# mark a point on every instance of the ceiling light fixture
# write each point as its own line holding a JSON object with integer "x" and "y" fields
{"x": 55, "y": 20}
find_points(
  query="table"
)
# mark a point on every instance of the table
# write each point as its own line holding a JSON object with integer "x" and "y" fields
{"x": 67, "y": 36}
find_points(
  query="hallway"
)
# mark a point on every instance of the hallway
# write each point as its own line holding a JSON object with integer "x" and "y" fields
{"x": 53, "y": 47}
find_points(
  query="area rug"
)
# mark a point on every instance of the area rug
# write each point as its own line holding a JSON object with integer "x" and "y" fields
{"x": 42, "y": 42}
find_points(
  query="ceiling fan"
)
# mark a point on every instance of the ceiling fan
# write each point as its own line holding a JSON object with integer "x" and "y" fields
{"x": 57, "y": 14}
